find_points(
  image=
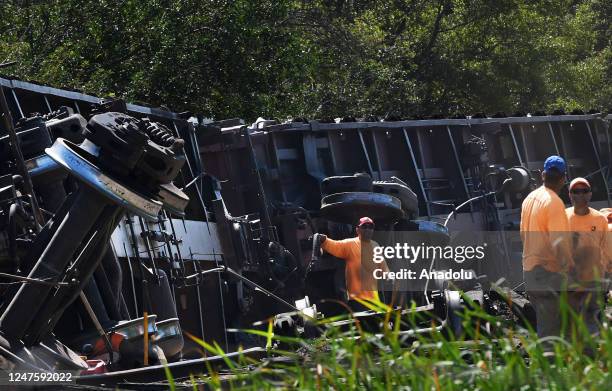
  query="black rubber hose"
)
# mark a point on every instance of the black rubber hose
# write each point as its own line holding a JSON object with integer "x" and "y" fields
{"x": 92, "y": 292}
{"x": 106, "y": 290}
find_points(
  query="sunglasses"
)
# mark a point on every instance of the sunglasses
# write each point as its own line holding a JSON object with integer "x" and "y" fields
{"x": 580, "y": 191}
{"x": 366, "y": 226}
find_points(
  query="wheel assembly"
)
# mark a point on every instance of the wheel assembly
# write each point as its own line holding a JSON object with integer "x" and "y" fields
{"x": 349, "y": 207}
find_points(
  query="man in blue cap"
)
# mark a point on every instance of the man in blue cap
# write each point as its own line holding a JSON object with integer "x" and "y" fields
{"x": 547, "y": 255}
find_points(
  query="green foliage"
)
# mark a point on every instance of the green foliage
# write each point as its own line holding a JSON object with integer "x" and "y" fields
{"x": 318, "y": 58}
{"x": 492, "y": 354}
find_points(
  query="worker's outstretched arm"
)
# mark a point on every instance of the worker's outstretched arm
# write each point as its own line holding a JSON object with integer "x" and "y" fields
{"x": 337, "y": 248}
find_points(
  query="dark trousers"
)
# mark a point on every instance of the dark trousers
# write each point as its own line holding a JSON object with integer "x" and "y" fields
{"x": 589, "y": 304}
{"x": 545, "y": 290}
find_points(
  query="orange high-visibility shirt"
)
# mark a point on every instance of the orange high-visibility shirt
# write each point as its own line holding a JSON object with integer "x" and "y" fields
{"x": 544, "y": 233}
{"x": 359, "y": 281}
{"x": 608, "y": 213}
{"x": 589, "y": 245}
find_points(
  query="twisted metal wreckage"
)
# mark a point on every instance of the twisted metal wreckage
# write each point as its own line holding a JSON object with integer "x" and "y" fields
{"x": 124, "y": 226}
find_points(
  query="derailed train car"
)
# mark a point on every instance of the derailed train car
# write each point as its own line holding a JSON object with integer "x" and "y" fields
{"x": 432, "y": 178}
{"x": 109, "y": 253}
{"x": 126, "y": 229}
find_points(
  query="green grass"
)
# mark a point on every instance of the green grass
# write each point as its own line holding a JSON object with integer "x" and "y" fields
{"x": 492, "y": 354}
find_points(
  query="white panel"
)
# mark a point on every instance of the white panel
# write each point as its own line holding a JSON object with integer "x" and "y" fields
{"x": 198, "y": 243}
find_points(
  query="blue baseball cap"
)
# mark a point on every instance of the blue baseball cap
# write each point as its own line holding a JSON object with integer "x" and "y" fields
{"x": 554, "y": 162}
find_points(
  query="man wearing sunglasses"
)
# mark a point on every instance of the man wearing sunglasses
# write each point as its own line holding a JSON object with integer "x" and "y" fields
{"x": 589, "y": 249}
{"x": 547, "y": 256}
{"x": 358, "y": 252}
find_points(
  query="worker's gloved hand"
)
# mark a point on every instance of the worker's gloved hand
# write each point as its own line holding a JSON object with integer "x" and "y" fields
{"x": 317, "y": 240}
{"x": 321, "y": 237}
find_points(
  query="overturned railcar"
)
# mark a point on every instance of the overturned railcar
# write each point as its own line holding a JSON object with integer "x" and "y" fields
{"x": 462, "y": 175}
{"x": 109, "y": 247}
{"x": 130, "y": 232}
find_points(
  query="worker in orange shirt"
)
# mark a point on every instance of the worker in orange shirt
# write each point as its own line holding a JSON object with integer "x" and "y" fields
{"x": 590, "y": 253}
{"x": 547, "y": 255}
{"x": 607, "y": 212}
{"x": 358, "y": 252}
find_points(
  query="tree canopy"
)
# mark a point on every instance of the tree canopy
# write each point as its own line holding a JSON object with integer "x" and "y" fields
{"x": 319, "y": 58}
